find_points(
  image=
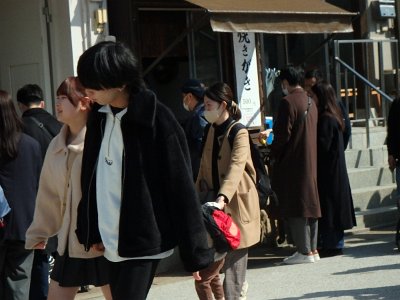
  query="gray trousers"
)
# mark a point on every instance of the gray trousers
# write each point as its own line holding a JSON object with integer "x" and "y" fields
{"x": 15, "y": 270}
{"x": 304, "y": 233}
{"x": 235, "y": 273}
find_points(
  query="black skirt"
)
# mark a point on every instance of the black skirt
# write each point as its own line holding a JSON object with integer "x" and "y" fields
{"x": 75, "y": 272}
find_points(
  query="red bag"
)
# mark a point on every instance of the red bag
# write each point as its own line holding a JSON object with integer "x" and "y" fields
{"x": 223, "y": 231}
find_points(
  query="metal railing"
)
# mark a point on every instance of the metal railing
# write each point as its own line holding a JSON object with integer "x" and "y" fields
{"x": 351, "y": 83}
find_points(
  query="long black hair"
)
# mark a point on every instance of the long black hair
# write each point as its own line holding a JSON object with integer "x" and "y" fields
{"x": 327, "y": 102}
{"x": 110, "y": 65}
{"x": 10, "y": 127}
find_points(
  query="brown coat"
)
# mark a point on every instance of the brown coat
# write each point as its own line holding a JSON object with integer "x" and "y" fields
{"x": 235, "y": 183}
{"x": 294, "y": 150}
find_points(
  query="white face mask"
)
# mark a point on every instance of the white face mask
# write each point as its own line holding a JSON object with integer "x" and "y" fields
{"x": 212, "y": 115}
{"x": 285, "y": 91}
{"x": 185, "y": 105}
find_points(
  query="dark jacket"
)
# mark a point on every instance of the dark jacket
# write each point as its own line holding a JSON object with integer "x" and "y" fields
{"x": 333, "y": 182}
{"x": 194, "y": 129}
{"x": 393, "y": 130}
{"x": 347, "y": 124}
{"x": 294, "y": 151}
{"x": 19, "y": 179}
{"x": 32, "y": 129}
{"x": 159, "y": 208}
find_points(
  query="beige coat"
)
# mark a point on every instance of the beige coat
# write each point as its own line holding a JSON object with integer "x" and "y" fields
{"x": 235, "y": 183}
{"x": 56, "y": 202}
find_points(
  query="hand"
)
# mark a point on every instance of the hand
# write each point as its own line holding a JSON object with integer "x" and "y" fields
{"x": 263, "y": 135}
{"x": 196, "y": 276}
{"x": 40, "y": 246}
{"x": 98, "y": 247}
{"x": 392, "y": 163}
{"x": 221, "y": 202}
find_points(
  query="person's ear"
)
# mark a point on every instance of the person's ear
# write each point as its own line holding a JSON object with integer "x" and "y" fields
{"x": 224, "y": 105}
{"x": 85, "y": 103}
{"x": 41, "y": 105}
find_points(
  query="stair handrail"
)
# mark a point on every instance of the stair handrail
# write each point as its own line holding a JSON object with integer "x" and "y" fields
{"x": 363, "y": 79}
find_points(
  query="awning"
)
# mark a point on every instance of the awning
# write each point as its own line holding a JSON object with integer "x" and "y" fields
{"x": 276, "y": 16}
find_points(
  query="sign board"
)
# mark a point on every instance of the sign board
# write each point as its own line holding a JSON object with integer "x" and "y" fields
{"x": 248, "y": 90}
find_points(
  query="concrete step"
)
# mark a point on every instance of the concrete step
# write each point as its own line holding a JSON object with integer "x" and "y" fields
{"x": 374, "y": 197}
{"x": 358, "y": 139}
{"x": 377, "y": 217}
{"x": 370, "y": 176}
{"x": 356, "y": 158}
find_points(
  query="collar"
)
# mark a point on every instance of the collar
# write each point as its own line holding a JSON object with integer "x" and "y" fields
{"x": 34, "y": 111}
{"x": 141, "y": 108}
{"x": 76, "y": 145}
{"x": 221, "y": 129}
{"x": 298, "y": 89}
{"x": 107, "y": 110}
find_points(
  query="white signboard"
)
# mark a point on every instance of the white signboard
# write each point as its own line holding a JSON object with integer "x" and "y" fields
{"x": 247, "y": 78}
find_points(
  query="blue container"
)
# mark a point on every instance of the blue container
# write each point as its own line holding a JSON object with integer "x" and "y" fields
{"x": 269, "y": 122}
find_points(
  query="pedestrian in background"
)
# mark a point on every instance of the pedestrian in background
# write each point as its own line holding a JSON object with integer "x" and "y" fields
{"x": 314, "y": 76}
{"x": 229, "y": 173}
{"x": 192, "y": 98}
{"x": 20, "y": 165}
{"x": 139, "y": 201}
{"x": 58, "y": 197}
{"x": 333, "y": 182}
{"x": 38, "y": 123}
{"x": 294, "y": 174}
{"x": 393, "y": 140}
{"x": 43, "y": 127}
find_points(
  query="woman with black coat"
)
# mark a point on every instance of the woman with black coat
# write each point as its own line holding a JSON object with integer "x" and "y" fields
{"x": 333, "y": 182}
{"x": 20, "y": 165}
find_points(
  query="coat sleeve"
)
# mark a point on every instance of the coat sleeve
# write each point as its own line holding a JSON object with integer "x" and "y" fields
{"x": 185, "y": 205}
{"x": 47, "y": 218}
{"x": 239, "y": 156}
{"x": 325, "y": 134}
{"x": 282, "y": 128}
{"x": 391, "y": 128}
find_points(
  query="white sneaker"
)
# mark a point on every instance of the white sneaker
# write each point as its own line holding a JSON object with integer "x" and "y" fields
{"x": 316, "y": 257}
{"x": 243, "y": 293}
{"x": 298, "y": 258}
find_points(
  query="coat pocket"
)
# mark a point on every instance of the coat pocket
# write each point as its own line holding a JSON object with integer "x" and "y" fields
{"x": 247, "y": 206}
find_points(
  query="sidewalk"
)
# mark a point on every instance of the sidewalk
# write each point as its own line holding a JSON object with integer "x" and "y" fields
{"x": 369, "y": 269}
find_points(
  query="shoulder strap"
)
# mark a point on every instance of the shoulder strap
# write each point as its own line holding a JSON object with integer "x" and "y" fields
{"x": 234, "y": 129}
{"x": 41, "y": 126}
{"x": 302, "y": 118}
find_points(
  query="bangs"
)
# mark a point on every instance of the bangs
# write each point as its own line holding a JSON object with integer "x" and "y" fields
{"x": 73, "y": 89}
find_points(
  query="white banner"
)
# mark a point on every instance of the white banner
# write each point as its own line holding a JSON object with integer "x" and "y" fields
{"x": 247, "y": 78}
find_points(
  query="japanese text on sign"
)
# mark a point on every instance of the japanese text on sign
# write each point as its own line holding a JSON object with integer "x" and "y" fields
{"x": 247, "y": 78}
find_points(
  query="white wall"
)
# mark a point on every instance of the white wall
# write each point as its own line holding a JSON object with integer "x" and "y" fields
{"x": 24, "y": 53}
{"x": 72, "y": 32}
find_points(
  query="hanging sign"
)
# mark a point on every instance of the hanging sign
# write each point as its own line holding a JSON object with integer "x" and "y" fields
{"x": 247, "y": 78}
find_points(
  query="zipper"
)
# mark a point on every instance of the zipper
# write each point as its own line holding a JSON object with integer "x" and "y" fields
{"x": 87, "y": 247}
{"x": 124, "y": 165}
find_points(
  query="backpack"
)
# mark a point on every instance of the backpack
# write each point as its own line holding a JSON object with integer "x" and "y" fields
{"x": 263, "y": 183}
{"x": 223, "y": 231}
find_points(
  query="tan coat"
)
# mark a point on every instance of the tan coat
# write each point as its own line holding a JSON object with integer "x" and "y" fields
{"x": 56, "y": 202}
{"x": 235, "y": 183}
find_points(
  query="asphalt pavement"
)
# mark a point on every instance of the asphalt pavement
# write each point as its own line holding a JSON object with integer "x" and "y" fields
{"x": 369, "y": 269}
